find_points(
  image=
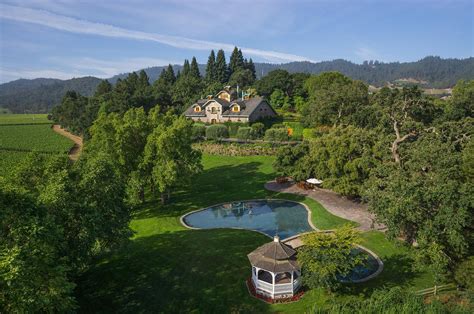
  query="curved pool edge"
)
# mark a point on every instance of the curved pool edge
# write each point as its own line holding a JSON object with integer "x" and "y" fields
{"x": 376, "y": 257}
{"x": 309, "y": 217}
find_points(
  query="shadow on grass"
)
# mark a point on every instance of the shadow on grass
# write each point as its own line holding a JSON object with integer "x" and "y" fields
{"x": 202, "y": 271}
{"x": 215, "y": 185}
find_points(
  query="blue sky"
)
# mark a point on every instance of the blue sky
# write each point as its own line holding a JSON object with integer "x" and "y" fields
{"x": 65, "y": 39}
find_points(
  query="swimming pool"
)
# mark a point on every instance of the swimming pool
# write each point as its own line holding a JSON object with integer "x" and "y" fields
{"x": 271, "y": 217}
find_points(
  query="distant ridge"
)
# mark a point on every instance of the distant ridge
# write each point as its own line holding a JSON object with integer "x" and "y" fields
{"x": 41, "y": 94}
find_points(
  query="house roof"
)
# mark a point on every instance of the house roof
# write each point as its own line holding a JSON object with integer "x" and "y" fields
{"x": 247, "y": 107}
{"x": 275, "y": 257}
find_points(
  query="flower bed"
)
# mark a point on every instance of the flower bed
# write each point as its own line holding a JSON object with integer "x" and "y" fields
{"x": 253, "y": 292}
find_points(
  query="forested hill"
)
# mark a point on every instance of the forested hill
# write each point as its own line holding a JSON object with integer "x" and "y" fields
{"x": 39, "y": 95}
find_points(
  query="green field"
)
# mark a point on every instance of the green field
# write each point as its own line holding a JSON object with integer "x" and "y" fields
{"x": 24, "y": 119}
{"x": 32, "y": 137}
{"x": 8, "y": 161}
{"x": 168, "y": 268}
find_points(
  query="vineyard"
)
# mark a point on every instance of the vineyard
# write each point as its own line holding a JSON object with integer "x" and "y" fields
{"x": 23, "y": 119}
{"x": 23, "y": 133}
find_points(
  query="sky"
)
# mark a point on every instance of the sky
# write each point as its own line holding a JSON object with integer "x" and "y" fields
{"x": 73, "y": 38}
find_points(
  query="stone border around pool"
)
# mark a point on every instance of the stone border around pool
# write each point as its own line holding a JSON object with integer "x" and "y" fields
{"x": 377, "y": 258}
{"x": 181, "y": 219}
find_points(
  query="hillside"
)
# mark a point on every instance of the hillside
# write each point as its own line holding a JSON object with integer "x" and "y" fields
{"x": 40, "y": 95}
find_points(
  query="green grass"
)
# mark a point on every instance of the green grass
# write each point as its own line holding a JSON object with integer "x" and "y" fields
{"x": 32, "y": 137}
{"x": 168, "y": 268}
{"x": 297, "y": 128}
{"x": 24, "y": 119}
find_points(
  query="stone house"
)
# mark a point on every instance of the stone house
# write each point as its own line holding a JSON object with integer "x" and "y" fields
{"x": 226, "y": 107}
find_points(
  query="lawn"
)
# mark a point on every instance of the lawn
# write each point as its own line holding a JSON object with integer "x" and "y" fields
{"x": 168, "y": 268}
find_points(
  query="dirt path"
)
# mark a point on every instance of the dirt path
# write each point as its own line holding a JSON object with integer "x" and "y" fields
{"x": 75, "y": 151}
{"x": 334, "y": 203}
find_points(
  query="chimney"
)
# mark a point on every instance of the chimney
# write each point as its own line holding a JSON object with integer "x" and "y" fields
{"x": 276, "y": 238}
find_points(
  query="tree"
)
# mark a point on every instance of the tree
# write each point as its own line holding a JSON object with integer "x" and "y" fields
{"x": 104, "y": 87}
{"x": 288, "y": 161}
{"x": 251, "y": 66}
{"x": 222, "y": 73}
{"x": 326, "y": 257}
{"x": 186, "y": 68}
{"x": 343, "y": 159}
{"x": 334, "y": 99}
{"x": 278, "y": 99}
{"x": 461, "y": 104}
{"x": 217, "y": 132}
{"x": 276, "y": 79}
{"x": 211, "y": 76}
{"x": 426, "y": 199}
{"x": 236, "y": 61}
{"x": 194, "y": 70}
{"x": 169, "y": 157}
{"x": 33, "y": 275}
{"x": 242, "y": 78}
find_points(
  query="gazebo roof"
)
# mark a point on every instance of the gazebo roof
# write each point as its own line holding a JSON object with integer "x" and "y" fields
{"x": 275, "y": 257}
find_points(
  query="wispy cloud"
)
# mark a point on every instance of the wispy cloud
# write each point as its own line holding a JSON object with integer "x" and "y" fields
{"x": 108, "y": 68}
{"x": 83, "y": 66}
{"x": 366, "y": 53}
{"x": 73, "y": 25}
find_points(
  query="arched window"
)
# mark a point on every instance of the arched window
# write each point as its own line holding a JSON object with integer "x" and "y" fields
{"x": 235, "y": 108}
{"x": 283, "y": 278}
{"x": 266, "y": 276}
{"x": 197, "y": 109}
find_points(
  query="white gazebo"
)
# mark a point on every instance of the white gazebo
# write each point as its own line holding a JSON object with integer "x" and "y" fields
{"x": 275, "y": 271}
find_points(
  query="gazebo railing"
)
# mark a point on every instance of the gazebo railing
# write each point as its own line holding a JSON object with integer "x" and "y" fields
{"x": 284, "y": 288}
{"x": 265, "y": 286}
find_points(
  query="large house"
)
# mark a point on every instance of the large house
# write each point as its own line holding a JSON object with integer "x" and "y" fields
{"x": 227, "y": 107}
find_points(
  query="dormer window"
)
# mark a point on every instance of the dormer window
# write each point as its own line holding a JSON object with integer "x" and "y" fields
{"x": 236, "y": 108}
{"x": 197, "y": 109}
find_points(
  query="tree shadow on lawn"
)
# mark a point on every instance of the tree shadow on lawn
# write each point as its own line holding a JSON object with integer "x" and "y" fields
{"x": 398, "y": 271}
{"x": 202, "y": 271}
{"x": 214, "y": 185}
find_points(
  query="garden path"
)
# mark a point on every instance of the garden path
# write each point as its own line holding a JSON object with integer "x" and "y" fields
{"x": 75, "y": 151}
{"x": 334, "y": 203}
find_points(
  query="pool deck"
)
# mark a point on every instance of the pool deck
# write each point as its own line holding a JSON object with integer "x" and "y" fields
{"x": 334, "y": 203}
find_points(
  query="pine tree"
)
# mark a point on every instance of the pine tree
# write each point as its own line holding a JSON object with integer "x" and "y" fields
{"x": 221, "y": 67}
{"x": 186, "y": 68}
{"x": 211, "y": 68}
{"x": 251, "y": 67}
{"x": 236, "y": 61}
{"x": 143, "y": 81}
{"x": 194, "y": 71}
{"x": 169, "y": 75}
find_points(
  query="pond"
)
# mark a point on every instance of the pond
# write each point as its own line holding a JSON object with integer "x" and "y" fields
{"x": 271, "y": 217}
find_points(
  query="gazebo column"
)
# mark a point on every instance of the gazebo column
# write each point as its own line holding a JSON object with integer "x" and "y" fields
{"x": 273, "y": 284}
{"x": 292, "y": 285}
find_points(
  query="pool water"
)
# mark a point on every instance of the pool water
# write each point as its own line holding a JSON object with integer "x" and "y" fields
{"x": 272, "y": 217}
{"x": 369, "y": 267}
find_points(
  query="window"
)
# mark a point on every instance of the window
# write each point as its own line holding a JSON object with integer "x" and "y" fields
{"x": 235, "y": 108}
{"x": 197, "y": 109}
{"x": 213, "y": 110}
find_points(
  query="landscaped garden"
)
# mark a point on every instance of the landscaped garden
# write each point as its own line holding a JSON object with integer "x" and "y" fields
{"x": 168, "y": 267}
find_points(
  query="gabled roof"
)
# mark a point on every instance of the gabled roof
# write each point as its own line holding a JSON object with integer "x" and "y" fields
{"x": 247, "y": 107}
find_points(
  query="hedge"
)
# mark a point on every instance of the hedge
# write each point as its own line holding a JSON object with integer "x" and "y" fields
{"x": 280, "y": 134}
{"x": 198, "y": 131}
{"x": 245, "y": 133}
{"x": 217, "y": 131}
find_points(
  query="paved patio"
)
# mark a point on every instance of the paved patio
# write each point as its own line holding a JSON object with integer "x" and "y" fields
{"x": 336, "y": 204}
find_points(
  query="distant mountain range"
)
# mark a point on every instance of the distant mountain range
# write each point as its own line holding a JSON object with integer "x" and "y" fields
{"x": 41, "y": 94}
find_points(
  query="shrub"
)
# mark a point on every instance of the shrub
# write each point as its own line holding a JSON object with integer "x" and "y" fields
{"x": 198, "y": 132}
{"x": 464, "y": 273}
{"x": 309, "y": 134}
{"x": 245, "y": 133}
{"x": 276, "y": 135}
{"x": 278, "y": 126}
{"x": 217, "y": 131}
{"x": 258, "y": 129}
{"x": 235, "y": 149}
{"x": 233, "y": 127}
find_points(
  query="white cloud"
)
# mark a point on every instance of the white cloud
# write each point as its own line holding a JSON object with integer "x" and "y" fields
{"x": 79, "y": 26}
